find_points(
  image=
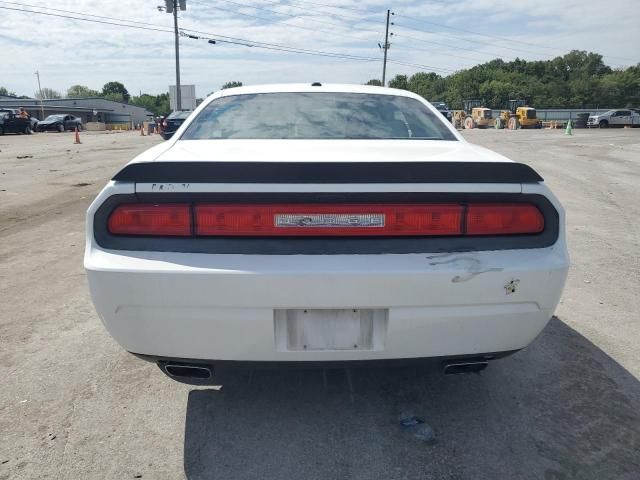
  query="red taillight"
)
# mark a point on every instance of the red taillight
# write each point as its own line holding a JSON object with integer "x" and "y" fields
{"x": 328, "y": 220}
{"x": 503, "y": 219}
{"x": 149, "y": 219}
{"x": 325, "y": 220}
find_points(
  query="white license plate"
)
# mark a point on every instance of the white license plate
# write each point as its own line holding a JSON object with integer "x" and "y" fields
{"x": 328, "y": 329}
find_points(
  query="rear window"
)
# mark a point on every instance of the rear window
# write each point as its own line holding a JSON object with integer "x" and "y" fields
{"x": 179, "y": 115}
{"x": 322, "y": 115}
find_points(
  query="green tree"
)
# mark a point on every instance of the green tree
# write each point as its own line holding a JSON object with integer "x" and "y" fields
{"x": 576, "y": 79}
{"x": 375, "y": 82}
{"x": 80, "y": 91}
{"x": 157, "y": 104}
{"x": 428, "y": 85}
{"x": 231, "y": 85}
{"x": 399, "y": 81}
{"x": 115, "y": 91}
{"x": 6, "y": 93}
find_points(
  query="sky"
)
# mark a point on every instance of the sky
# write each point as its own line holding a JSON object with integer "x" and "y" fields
{"x": 344, "y": 35}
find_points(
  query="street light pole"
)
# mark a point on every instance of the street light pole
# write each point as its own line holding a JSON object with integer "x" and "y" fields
{"x": 172, "y": 6}
{"x": 177, "y": 38}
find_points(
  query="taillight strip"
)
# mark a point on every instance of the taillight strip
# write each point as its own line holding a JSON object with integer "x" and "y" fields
{"x": 326, "y": 220}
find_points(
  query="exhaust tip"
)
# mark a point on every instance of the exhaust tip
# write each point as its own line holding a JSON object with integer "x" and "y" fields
{"x": 177, "y": 370}
{"x": 458, "y": 367}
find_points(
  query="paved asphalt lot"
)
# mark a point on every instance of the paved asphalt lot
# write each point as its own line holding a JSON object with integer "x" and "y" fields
{"x": 74, "y": 405}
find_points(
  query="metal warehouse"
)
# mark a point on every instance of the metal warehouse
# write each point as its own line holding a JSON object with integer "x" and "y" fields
{"x": 91, "y": 109}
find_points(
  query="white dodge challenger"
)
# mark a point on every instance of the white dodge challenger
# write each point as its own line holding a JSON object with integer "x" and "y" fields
{"x": 323, "y": 223}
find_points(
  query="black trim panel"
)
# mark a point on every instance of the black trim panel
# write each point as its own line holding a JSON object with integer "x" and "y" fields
{"x": 331, "y": 172}
{"x": 325, "y": 246}
{"x": 236, "y": 366}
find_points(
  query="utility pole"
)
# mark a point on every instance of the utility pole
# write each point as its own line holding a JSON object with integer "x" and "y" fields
{"x": 177, "y": 35}
{"x": 41, "y": 96}
{"x": 172, "y": 6}
{"x": 386, "y": 47}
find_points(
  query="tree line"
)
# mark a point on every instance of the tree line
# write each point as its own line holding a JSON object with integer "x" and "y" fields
{"x": 578, "y": 79}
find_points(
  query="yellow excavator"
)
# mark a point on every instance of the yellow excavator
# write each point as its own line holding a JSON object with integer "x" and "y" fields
{"x": 518, "y": 116}
{"x": 474, "y": 115}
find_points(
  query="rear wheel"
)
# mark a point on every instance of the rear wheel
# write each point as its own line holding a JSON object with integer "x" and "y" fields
{"x": 60, "y": 128}
{"x": 603, "y": 124}
{"x": 28, "y": 131}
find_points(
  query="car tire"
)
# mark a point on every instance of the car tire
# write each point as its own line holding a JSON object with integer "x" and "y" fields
{"x": 469, "y": 123}
{"x": 28, "y": 131}
{"x": 1, "y": 131}
{"x": 60, "y": 128}
{"x": 603, "y": 124}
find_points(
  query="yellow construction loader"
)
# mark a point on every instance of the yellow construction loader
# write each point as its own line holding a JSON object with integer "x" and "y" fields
{"x": 518, "y": 116}
{"x": 474, "y": 115}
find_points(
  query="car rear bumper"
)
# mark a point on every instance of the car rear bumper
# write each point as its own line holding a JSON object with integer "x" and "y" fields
{"x": 230, "y": 307}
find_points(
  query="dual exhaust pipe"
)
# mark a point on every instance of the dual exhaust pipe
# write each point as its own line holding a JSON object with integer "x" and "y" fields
{"x": 471, "y": 365}
{"x": 203, "y": 372}
{"x": 187, "y": 371}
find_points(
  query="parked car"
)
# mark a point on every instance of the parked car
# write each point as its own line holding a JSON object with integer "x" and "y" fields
{"x": 33, "y": 121}
{"x": 443, "y": 108}
{"x": 615, "y": 118}
{"x": 60, "y": 123}
{"x": 173, "y": 122}
{"x": 12, "y": 123}
{"x": 309, "y": 224}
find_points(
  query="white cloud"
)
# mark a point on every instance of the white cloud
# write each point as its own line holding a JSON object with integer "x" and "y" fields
{"x": 68, "y": 52}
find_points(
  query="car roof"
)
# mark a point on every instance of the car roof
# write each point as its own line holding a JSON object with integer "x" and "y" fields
{"x": 317, "y": 87}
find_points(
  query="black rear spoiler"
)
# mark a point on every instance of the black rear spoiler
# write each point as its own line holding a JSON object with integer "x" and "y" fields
{"x": 329, "y": 172}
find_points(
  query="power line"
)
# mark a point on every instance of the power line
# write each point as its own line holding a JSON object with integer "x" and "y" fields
{"x": 300, "y": 27}
{"x": 505, "y": 39}
{"x": 81, "y": 13}
{"x": 401, "y": 35}
{"x": 297, "y": 3}
{"x": 275, "y": 12}
{"x": 495, "y": 45}
{"x": 413, "y": 19}
{"x": 159, "y": 29}
{"x": 220, "y": 38}
{"x": 352, "y": 9}
{"x": 462, "y": 57}
{"x": 280, "y": 47}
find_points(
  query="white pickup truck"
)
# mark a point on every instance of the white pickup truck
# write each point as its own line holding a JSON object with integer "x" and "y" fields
{"x": 615, "y": 118}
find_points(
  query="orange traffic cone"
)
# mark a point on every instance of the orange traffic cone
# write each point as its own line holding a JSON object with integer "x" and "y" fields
{"x": 77, "y": 140}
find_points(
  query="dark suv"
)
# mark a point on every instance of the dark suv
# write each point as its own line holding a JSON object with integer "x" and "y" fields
{"x": 12, "y": 123}
{"x": 443, "y": 109}
{"x": 173, "y": 122}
